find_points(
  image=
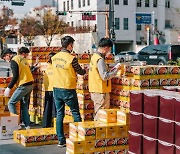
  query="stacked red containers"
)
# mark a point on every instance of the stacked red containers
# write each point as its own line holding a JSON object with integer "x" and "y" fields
{"x": 166, "y": 123}
{"x": 177, "y": 124}
{"x": 155, "y": 122}
{"x": 136, "y": 122}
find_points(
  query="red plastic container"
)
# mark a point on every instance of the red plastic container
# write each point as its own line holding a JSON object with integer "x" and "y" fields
{"x": 135, "y": 143}
{"x": 151, "y": 103}
{"x": 165, "y": 148}
{"x": 149, "y": 145}
{"x": 136, "y": 121}
{"x": 166, "y": 130}
{"x": 177, "y": 134}
{"x": 177, "y": 109}
{"x": 167, "y": 106}
{"x": 177, "y": 148}
{"x": 150, "y": 126}
{"x": 136, "y": 101}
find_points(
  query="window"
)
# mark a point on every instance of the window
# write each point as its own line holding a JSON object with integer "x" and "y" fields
{"x": 167, "y": 24}
{"x": 146, "y": 3}
{"x": 125, "y": 2}
{"x": 88, "y": 2}
{"x": 155, "y": 3}
{"x": 72, "y": 24}
{"x": 79, "y": 3}
{"x": 84, "y": 3}
{"x": 64, "y": 6}
{"x": 72, "y": 4}
{"x": 138, "y": 3}
{"x": 156, "y": 23}
{"x": 107, "y": 1}
{"x": 116, "y": 2}
{"x": 167, "y": 4}
{"x": 138, "y": 27}
{"x": 117, "y": 23}
{"x": 67, "y": 5}
{"x": 126, "y": 24}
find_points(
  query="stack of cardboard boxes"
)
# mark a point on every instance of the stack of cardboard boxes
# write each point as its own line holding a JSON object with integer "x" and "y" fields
{"x": 107, "y": 135}
{"x": 142, "y": 77}
{"x": 8, "y": 122}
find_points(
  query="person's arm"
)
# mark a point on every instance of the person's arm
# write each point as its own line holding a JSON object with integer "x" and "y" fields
{"x": 15, "y": 72}
{"x": 103, "y": 71}
{"x": 77, "y": 67}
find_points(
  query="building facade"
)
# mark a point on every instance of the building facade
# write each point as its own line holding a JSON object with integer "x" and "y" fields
{"x": 165, "y": 19}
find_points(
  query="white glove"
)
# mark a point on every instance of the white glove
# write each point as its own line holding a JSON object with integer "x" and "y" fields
{"x": 7, "y": 92}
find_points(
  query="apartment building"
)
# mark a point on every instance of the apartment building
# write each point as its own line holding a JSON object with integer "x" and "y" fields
{"x": 165, "y": 18}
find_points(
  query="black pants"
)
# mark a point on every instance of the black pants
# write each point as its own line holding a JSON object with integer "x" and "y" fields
{"x": 49, "y": 109}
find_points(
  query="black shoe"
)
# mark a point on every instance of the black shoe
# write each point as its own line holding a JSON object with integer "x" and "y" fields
{"x": 61, "y": 144}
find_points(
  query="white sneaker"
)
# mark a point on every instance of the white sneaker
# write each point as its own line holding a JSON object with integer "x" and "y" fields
{"x": 19, "y": 127}
{"x": 28, "y": 127}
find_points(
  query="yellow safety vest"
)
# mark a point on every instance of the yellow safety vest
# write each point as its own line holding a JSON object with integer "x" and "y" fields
{"x": 96, "y": 84}
{"x": 63, "y": 72}
{"x": 25, "y": 74}
{"x": 48, "y": 78}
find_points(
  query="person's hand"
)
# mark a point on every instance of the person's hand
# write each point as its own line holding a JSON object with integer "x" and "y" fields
{"x": 116, "y": 67}
{"x": 37, "y": 62}
{"x": 7, "y": 92}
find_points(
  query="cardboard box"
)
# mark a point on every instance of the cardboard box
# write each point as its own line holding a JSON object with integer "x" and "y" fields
{"x": 75, "y": 146}
{"x": 110, "y": 144}
{"x": 89, "y": 146}
{"x": 111, "y": 130}
{"x": 87, "y": 131}
{"x": 142, "y": 70}
{"x": 101, "y": 132}
{"x": 107, "y": 115}
{"x": 122, "y": 117}
{"x": 100, "y": 145}
{"x": 121, "y": 130}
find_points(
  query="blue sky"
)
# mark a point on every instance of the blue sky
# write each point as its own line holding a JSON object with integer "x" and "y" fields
{"x": 23, "y": 9}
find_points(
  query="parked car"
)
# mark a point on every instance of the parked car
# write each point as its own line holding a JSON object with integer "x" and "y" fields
{"x": 124, "y": 56}
{"x": 159, "y": 54}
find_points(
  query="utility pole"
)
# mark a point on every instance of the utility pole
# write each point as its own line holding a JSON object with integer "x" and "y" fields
{"x": 107, "y": 26}
{"x": 111, "y": 24}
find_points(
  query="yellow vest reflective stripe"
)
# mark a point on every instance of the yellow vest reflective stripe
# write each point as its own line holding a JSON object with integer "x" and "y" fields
{"x": 96, "y": 84}
{"x": 48, "y": 78}
{"x": 25, "y": 74}
{"x": 63, "y": 72}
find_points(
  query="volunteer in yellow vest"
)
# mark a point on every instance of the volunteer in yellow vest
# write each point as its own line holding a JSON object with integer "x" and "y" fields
{"x": 22, "y": 79}
{"x": 99, "y": 76}
{"x": 65, "y": 67}
{"x": 49, "y": 105}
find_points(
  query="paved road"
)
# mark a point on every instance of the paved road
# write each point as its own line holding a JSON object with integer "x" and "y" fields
{"x": 10, "y": 147}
